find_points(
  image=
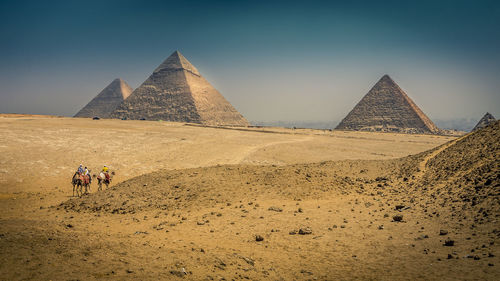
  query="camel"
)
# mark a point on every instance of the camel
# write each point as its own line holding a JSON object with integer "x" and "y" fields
{"x": 103, "y": 179}
{"x": 77, "y": 183}
{"x": 86, "y": 183}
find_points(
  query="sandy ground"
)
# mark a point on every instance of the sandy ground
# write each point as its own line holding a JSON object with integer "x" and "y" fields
{"x": 39, "y": 154}
{"x": 203, "y": 195}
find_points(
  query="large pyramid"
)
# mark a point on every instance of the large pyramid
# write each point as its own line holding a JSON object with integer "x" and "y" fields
{"x": 177, "y": 92}
{"x": 107, "y": 100}
{"x": 485, "y": 121}
{"x": 387, "y": 108}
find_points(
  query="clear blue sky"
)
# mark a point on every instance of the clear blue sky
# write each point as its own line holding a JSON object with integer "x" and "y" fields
{"x": 273, "y": 60}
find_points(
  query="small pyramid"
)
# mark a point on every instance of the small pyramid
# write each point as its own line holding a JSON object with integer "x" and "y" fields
{"x": 485, "y": 121}
{"x": 387, "y": 108}
{"x": 107, "y": 100}
{"x": 177, "y": 92}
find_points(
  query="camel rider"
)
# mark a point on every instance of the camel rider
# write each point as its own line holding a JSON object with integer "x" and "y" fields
{"x": 80, "y": 169}
{"x": 87, "y": 172}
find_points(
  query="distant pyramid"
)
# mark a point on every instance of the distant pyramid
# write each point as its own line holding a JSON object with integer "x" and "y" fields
{"x": 485, "y": 121}
{"x": 177, "y": 92}
{"x": 386, "y": 107}
{"x": 107, "y": 100}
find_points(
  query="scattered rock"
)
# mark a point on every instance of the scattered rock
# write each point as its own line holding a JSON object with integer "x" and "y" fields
{"x": 443, "y": 232}
{"x": 275, "y": 209}
{"x": 449, "y": 242}
{"x": 248, "y": 260}
{"x": 305, "y": 231}
{"x": 397, "y": 218}
{"x": 177, "y": 273}
{"x": 259, "y": 238}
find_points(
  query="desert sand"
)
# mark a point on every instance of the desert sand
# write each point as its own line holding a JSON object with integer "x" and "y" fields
{"x": 205, "y": 203}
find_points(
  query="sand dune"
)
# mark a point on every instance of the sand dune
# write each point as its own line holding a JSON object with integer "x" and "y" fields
{"x": 374, "y": 213}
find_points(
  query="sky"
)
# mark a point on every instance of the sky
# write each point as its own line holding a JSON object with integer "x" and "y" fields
{"x": 273, "y": 60}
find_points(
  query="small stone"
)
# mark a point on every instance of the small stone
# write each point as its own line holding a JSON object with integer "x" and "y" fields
{"x": 259, "y": 238}
{"x": 449, "y": 242}
{"x": 397, "y": 218}
{"x": 177, "y": 273}
{"x": 443, "y": 232}
{"x": 275, "y": 209}
{"x": 305, "y": 231}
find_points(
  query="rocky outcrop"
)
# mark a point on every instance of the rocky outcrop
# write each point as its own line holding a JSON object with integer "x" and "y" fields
{"x": 485, "y": 121}
{"x": 387, "y": 108}
{"x": 177, "y": 92}
{"x": 107, "y": 100}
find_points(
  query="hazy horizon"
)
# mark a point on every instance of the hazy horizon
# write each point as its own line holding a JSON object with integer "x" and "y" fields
{"x": 272, "y": 60}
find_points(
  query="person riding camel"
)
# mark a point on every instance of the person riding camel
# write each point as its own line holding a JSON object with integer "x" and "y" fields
{"x": 87, "y": 173}
{"x": 103, "y": 177}
{"x": 80, "y": 169}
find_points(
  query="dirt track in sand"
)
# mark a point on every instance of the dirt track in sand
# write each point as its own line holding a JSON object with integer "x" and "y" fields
{"x": 203, "y": 220}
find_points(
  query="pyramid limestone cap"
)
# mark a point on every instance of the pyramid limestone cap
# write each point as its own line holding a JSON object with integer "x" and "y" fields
{"x": 176, "y": 61}
{"x": 107, "y": 100}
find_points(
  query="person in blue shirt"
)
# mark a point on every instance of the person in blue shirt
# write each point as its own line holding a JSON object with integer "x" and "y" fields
{"x": 80, "y": 169}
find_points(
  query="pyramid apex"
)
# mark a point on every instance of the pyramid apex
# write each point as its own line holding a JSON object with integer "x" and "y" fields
{"x": 386, "y": 78}
{"x": 176, "y": 61}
